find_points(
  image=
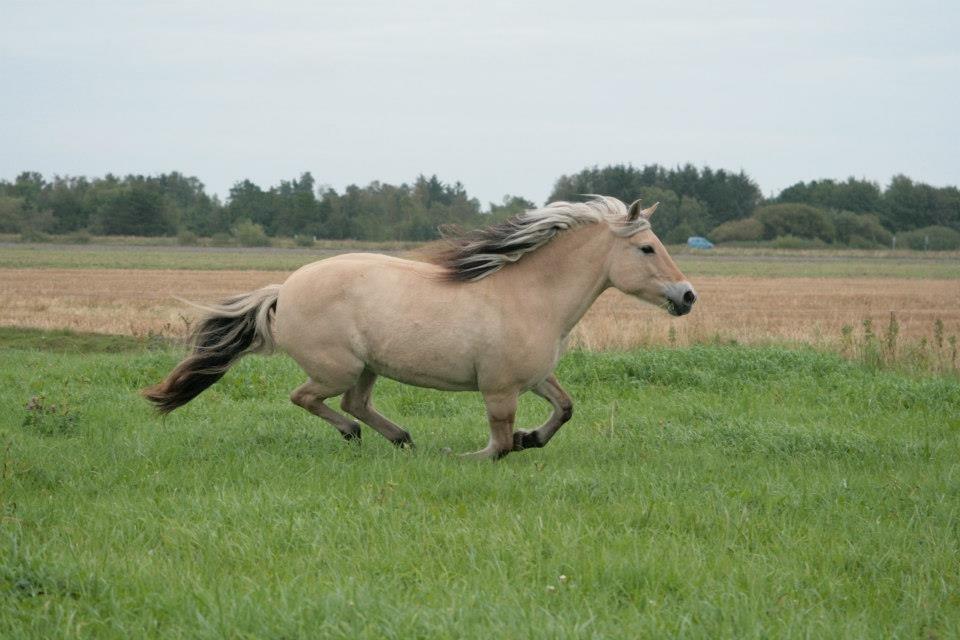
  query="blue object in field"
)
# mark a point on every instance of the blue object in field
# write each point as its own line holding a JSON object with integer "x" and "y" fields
{"x": 697, "y": 242}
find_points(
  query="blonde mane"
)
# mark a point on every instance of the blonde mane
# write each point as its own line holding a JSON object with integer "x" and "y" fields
{"x": 473, "y": 255}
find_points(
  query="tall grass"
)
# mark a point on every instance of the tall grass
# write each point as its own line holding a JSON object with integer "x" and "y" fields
{"x": 936, "y": 354}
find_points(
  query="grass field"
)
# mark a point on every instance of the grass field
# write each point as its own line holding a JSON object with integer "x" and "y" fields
{"x": 722, "y": 262}
{"x": 707, "y": 492}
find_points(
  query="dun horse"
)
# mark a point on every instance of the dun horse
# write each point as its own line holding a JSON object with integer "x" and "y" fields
{"x": 490, "y": 312}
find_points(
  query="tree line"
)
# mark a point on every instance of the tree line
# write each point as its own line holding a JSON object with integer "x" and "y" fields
{"x": 722, "y": 205}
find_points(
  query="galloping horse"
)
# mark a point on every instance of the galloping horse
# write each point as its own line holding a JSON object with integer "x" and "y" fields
{"x": 490, "y": 312}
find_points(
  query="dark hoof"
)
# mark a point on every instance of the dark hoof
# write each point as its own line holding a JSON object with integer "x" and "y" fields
{"x": 526, "y": 440}
{"x": 404, "y": 442}
{"x": 353, "y": 433}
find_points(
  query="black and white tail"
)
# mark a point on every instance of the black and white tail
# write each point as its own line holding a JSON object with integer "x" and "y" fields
{"x": 230, "y": 330}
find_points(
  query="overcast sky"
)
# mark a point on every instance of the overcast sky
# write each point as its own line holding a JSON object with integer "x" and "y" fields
{"x": 503, "y": 96}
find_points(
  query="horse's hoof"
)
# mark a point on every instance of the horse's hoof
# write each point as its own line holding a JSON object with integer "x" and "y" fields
{"x": 518, "y": 440}
{"x": 352, "y": 434}
{"x": 525, "y": 440}
{"x": 404, "y": 442}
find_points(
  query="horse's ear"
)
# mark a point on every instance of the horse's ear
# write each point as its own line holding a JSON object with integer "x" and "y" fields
{"x": 646, "y": 213}
{"x": 634, "y": 211}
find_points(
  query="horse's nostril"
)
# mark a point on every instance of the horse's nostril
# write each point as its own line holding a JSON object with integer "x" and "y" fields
{"x": 689, "y": 297}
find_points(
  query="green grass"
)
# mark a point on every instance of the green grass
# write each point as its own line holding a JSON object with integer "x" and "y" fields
{"x": 129, "y": 257}
{"x": 703, "y": 492}
{"x": 733, "y": 262}
{"x": 62, "y": 341}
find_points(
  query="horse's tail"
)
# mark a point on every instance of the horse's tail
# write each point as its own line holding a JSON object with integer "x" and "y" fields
{"x": 231, "y": 329}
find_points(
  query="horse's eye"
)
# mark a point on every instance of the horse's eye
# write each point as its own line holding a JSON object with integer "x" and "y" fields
{"x": 647, "y": 249}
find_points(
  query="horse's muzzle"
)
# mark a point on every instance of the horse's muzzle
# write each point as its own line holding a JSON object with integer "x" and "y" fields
{"x": 681, "y": 302}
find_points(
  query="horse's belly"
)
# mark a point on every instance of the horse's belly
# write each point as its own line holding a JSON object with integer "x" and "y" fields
{"x": 424, "y": 379}
{"x": 424, "y": 367}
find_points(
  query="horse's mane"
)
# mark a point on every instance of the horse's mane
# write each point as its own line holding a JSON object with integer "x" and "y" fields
{"x": 475, "y": 254}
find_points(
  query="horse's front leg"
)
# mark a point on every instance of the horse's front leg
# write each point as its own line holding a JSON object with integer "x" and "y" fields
{"x": 501, "y": 412}
{"x": 551, "y": 391}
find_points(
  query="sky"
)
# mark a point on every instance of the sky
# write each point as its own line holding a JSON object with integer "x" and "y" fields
{"x": 503, "y": 96}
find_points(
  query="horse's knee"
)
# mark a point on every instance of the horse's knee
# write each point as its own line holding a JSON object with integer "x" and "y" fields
{"x": 301, "y": 397}
{"x": 566, "y": 409}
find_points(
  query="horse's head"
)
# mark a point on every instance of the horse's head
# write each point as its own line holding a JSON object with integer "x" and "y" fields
{"x": 640, "y": 266}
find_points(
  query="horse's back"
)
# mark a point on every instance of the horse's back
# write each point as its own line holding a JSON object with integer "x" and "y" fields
{"x": 360, "y": 262}
{"x": 353, "y": 282}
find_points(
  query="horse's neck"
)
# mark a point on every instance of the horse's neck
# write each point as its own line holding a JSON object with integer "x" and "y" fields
{"x": 559, "y": 281}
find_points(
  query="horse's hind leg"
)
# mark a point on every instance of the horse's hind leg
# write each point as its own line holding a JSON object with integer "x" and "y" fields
{"x": 311, "y": 395}
{"x": 357, "y": 403}
{"x": 551, "y": 391}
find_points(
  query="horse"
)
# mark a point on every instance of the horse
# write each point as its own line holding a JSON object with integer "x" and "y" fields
{"x": 489, "y": 310}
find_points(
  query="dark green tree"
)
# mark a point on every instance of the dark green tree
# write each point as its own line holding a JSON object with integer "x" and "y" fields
{"x": 134, "y": 209}
{"x": 726, "y": 196}
{"x": 509, "y": 206}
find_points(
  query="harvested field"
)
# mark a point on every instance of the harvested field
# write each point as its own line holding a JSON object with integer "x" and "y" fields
{"x": 750, "y": 310}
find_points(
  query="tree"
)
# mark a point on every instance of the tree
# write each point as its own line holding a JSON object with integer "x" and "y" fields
{"x": 508, "y": 207}
{"x": 66, "y": 198}
{"x": 909, "y": 205}
{"x": 678, "y": 217}
{"x": 12, "y": 214}
{"x": 29, "y": 185}
{"x": 135, "y": 209}
{"x": 725, "y": 196}
{"x": 194, "y": 208}
{"x": 246, "y": 201}
{"x": 858, "y": 196}
{"x": 295, "y": 207}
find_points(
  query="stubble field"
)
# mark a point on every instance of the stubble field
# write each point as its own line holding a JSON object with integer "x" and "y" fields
{"x": 702, "y": 489}
{"x": 746, "y": 298}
